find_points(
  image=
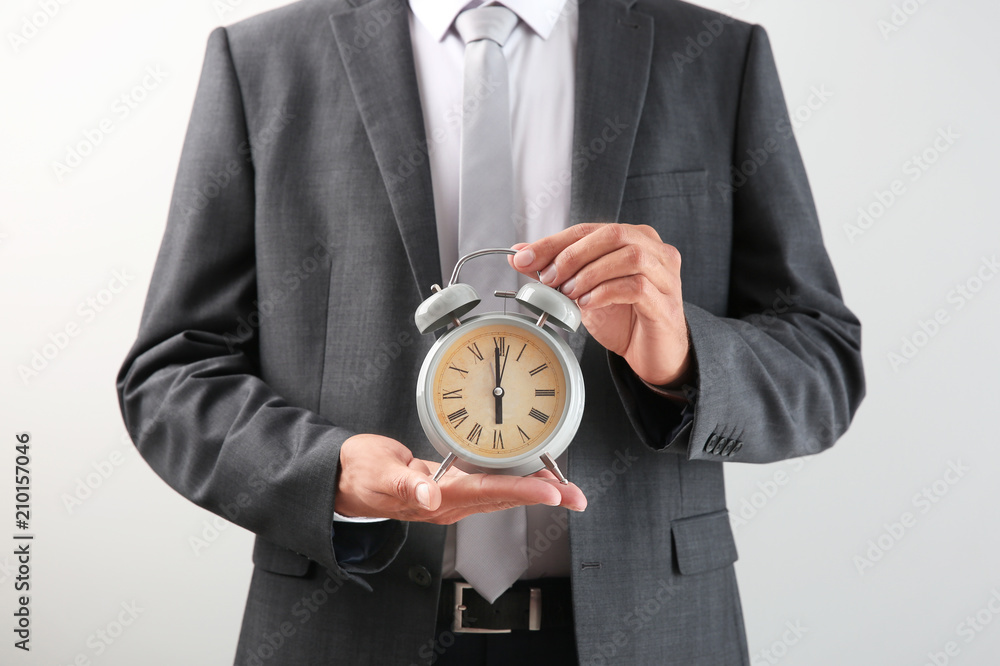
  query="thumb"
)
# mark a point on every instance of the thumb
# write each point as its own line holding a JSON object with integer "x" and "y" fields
{"x": 416, "y": 487}
{"x": 510, "y": 258}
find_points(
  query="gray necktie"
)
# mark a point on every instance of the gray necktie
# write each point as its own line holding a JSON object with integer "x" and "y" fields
{"x": 486, "y": 183}
{"x": 490, "y": 547}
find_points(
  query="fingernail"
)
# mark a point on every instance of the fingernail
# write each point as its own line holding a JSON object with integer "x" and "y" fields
{"x": 568, "y": 287}
{"x": 423, "y": 494}
{"x": 583, "y": 300}
{"x": 524, "y": 257}
{"x": 548, "y": 275}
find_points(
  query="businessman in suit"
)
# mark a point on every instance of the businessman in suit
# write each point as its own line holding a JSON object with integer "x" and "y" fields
{"x": 272, "y": 377}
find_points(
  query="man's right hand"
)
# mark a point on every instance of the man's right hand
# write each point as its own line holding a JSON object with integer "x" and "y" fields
{"x": 380, "y": 478}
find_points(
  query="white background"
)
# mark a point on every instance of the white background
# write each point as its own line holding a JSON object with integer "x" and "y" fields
{"x": 801, "y": 526}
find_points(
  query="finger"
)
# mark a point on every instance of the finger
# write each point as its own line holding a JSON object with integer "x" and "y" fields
{"x": 599, "y": 241}
{"x": 510, "y": 257}
{"x": 634, "y": 290}
{"x": 533, "y": 257}
{"x": 453, "y": 515}
{"x": 542, "y": 474}
{"x": 461, "y": 494}
{"x": 643, "y": 243}
{"x": 571, "y": 495}
{"x": 622, "y": 262}
{"x": 493, "y": 491}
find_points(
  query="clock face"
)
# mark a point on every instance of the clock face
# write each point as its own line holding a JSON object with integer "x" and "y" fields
{"x": 499, "y": 390}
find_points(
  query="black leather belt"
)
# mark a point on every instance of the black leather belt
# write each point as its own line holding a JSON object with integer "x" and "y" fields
{"x": 533, "y": 605}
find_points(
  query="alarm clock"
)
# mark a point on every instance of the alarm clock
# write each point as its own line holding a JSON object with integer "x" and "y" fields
{"x": 499, "y": 393}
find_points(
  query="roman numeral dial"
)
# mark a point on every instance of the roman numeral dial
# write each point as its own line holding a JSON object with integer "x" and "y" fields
{"x": 499, "y": 390}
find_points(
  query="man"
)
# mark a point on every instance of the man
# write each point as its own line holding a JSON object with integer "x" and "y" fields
{"x": 272, "y": 378}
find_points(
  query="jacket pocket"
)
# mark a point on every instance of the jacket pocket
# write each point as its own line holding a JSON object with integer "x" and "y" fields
{"x": 668, "y": 184}
{"x": 703, "y": 542}
{"x": 279, "y": 560}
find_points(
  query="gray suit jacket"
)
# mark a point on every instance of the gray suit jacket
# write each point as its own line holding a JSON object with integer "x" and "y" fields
{"x": 301, "y": 239}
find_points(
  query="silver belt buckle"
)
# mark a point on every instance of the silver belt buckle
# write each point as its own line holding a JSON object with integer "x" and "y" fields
{"x": 534, "y": 612}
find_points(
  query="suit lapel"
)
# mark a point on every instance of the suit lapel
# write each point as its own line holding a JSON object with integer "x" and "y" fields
{"x": 614, "y": 47}
{"x": 383, "y": 78}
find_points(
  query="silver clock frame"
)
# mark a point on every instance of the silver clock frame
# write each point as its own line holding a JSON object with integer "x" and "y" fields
{"x": 541, "y": 455}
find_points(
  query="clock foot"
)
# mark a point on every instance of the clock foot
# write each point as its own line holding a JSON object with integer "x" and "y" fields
{"x": 551, "y": 465}
{"x": 445, "y": 466}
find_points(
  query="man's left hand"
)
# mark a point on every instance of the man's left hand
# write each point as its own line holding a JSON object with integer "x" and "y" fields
{"x": 627, "y": 283}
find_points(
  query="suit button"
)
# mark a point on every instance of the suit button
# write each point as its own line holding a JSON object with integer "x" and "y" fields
{"x": 420, "y": 575}
{"x": 710, "y": 443}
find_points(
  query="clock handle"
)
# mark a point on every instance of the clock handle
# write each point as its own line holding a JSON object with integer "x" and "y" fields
{"x": 481, "y": 253}
{"x": 548, "y": 303}
{"x": 445, "y": 306}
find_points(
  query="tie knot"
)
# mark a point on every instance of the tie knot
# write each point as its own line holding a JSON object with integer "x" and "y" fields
{"x": 494, "y": 23}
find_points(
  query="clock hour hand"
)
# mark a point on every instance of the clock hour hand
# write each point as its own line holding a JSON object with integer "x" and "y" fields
{"x": 497, "y": 390}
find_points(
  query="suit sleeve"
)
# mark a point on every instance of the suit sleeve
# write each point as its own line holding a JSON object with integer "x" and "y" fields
{"x": 781, "y": 375}
{"x": 190, "y": 391}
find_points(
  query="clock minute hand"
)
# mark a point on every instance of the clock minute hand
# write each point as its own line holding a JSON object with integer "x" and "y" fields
{"x": 497, "y": 390}
{"x": 503, "y": 368}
